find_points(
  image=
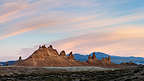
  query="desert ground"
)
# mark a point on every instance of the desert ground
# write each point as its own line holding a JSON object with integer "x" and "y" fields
{"x": 12, "y": 73}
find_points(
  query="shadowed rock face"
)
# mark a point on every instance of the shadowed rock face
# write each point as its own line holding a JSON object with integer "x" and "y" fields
{"x": 48, "y": 57}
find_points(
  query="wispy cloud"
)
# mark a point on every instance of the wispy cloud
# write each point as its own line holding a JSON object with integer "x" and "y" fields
{"x": 31, "y": 12}
{"x": 27, "y": 28}
{"x": 28, "y": 15}
{"x": 11, "y": 10}
{"x": 76, "y": 18}
{"x": 17, "y": 32}
{"x": 119, "y": 42}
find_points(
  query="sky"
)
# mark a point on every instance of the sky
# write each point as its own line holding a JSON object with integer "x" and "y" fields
{"x": 115, "y": 27}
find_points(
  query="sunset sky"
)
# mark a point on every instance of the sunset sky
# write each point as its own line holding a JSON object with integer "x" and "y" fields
{"x": 115, "y": 27}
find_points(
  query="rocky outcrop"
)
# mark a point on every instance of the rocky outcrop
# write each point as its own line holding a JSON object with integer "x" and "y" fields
{"x": 106, "y": 60}
{"x": 62, "y": 53}
{"x": 109, "y": 60}
{"x": 93, "y": 60}
{"x": 20, "y": 58}
{"x": 48, "y": 56}
{"x": 71, "y": 57}
{"x": 90, "y": 60}
{"x": 94, "y": 56}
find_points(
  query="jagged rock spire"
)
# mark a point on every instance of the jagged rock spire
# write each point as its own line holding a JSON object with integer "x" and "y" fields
{"x": 106, "y": 60}
{"x": 93, "y": 55}
{"x": 48, "y": 57}
{"x": 62, "y": 53}
{"x": 19, "y": 61}
{"x": 50, "y": 46}
{"x": 90, "y": 61}
{"x": 40, "y": 46}
{"x": 109, "y": 60}
{"x": 20, "y": 58}
{"x": 71, "y": 55}
{"x": 89, "y": 57}
{"x": 43, "y": 46}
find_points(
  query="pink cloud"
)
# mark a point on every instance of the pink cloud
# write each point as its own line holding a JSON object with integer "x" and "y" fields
{"x": 68, "y": 22}
{"x": 116, "y": 43}
{"x": 11, "y": 10}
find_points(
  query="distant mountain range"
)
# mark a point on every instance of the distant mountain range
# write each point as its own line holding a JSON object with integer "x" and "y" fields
{"x": 9, "y": 63}
{"x": 114, "y": 59}
{"x": 99, "y": 55}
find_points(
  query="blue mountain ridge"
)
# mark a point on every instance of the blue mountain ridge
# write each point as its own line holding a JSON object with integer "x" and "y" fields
{"x": 114, "y": 59}
{"x": 9, "y": 63}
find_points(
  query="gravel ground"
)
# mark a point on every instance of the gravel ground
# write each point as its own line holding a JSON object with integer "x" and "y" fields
{"x": 84, "y": 68}
{"x": 71, "y": 74}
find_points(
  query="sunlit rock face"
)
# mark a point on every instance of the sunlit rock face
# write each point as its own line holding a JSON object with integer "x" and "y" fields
{"x": 62, "y": 53}
{"x": 47, "y": 56}
{"x": 93, "y": 60}
{"x": 71, "y": 57}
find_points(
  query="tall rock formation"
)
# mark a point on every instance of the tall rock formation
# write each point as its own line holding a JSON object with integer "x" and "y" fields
{"x": 62, "y": 53}
{"x": 93, "y": 60}
{"x": 90, "y": 60}
{"x": 71, "y": 57}
{"x": 106, "y": 60}
{"x": 47, "y": 56}
{"x": 20, "y": 58}
{"x": 109, "y": 60}
{"x": 94, "y": 56}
